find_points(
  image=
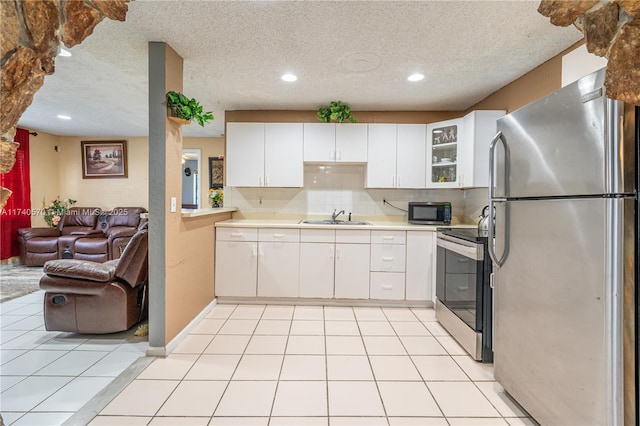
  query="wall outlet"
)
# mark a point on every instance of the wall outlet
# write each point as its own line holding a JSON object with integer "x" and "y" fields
{"x": 173, "y": 205}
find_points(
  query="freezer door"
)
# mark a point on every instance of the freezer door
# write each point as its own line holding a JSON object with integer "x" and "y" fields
{"x": 552, "y": 339}
{"x": 556, "y": 145}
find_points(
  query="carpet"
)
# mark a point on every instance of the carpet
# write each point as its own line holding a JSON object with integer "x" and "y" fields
{"x": 18, "y": 280}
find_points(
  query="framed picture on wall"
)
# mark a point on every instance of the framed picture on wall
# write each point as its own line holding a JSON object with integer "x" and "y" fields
{"x": 104, "y": 159}
{"x": 216, "y": 172}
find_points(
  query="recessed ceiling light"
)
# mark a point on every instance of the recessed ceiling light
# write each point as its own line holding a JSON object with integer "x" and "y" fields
{"x": 415, "y": 77}
{"x": 64, "y": 52}
{"x": 64, "y": 117}
{"x": 289, "y": 77}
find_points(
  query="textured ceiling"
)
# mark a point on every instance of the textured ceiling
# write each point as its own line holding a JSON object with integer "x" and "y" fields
{"x": 234, "y": 52}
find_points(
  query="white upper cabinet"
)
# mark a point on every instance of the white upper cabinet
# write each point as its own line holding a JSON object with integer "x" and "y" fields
{"x": 411, "y": 151}
{"x": 396, "y": 156}
{"x": 351, "y": 143}
{"x": 245, "y": 154}
{"x": 381, "y": 151}
{"x": 330, "y": 142}
{"x": 319, "y": 142}
{"x": 265, "y": 154}
{"x": 480, "y": 127}
{"x": 283, "y": 164}
{"x": 458, "y": 150}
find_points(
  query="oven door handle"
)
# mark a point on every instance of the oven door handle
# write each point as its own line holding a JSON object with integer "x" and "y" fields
{"x": 475, "y": 252}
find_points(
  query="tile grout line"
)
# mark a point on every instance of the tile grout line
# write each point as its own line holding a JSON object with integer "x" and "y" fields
{"x": 373, "y": 374}
{"x": 199, "y": 356}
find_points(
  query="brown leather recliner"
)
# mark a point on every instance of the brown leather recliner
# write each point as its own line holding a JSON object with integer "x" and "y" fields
{"x": 83, "y": 233}
{"x": 113, "y": 231}
{"x": 38, "y": 245}
{"x": 88, "y": 297}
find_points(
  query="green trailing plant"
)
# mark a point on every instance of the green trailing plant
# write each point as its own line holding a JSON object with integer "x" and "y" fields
{"x": 187, "y": 109}
{"x": 337, "y": 111}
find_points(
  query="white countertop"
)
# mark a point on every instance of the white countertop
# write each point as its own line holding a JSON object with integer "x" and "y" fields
{"x": 291, "y": 223}
{"x": 207, "y": 212}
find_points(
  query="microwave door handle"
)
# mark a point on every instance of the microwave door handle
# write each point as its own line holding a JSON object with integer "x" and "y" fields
{"x": 492, "y": 171}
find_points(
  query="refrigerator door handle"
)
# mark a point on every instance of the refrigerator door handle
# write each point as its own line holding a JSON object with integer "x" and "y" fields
{"x": 492, "y": 171}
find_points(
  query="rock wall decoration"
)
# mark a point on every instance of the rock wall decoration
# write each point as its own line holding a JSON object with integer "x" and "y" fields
{"x": 611, "y": 29}
{"x": 30, "y": 35}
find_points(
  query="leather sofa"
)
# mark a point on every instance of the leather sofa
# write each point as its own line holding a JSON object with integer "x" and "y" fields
{"x": 88, "y": 297}
{"x": 83, "y": 233}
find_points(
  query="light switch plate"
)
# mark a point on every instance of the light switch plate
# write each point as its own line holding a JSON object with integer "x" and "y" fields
{"x": 173, "y": 205}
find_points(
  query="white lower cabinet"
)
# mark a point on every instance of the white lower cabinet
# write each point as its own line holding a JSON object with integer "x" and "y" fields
{"x": 317, "y": 269}
{"x": 420, "y": 265}
{"x": 278, "y": 269}
{"x": 387, "y": 265}
{"x": 278, "y": 262}
{"x": 352, "y": 271}
{"x": 236, "y": 266}
{"x": 387, "y": 285}
{"x": 324, "y": 263}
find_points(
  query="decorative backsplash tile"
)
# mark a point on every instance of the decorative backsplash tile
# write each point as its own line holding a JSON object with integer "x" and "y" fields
{"x": 341, "y": 187}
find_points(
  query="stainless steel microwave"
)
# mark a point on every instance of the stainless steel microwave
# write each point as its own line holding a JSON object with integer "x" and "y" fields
{"x": 429, "y": 213}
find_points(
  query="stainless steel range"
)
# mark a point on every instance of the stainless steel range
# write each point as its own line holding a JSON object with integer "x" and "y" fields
{"x": 463, "y": 293}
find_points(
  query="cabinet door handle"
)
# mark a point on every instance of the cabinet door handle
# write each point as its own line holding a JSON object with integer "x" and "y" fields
{"x": 339, "y": 155}
{"x": 259, "y": 180}
{"x": 332, "y": 155}
{"x": 393, "y": 181}
{"x": 387, "y": 287}
{"x": 398, "y": 182}
{"x": 387, "y": 237}
{"x": 278, "y": 235}
{"x": 337, "y": 252}
{"x": 266, "y": 180}
{"x": 236, "y": 234}
{"x": 255, "y": 250}
{"x": 260, "y": 251}
{"x": 387, "y": 258}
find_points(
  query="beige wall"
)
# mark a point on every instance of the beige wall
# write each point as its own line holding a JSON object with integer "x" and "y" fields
{"x": 60, "y": 173}
{"x": 45, "y": 165}
{"x": 106, "y": 193}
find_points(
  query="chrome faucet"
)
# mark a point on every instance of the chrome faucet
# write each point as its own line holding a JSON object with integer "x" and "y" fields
{"x": 334, "y": 215}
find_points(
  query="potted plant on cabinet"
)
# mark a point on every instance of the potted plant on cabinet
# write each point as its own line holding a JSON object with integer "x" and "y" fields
{"x": 337, "y": 111}
{"x": 184, "y": 110}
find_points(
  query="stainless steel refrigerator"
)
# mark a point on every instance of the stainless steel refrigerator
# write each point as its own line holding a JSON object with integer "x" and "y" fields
{"x": 563, "y": 190}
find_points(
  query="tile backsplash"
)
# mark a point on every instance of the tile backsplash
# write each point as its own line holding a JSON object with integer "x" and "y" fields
{"x": 341, "y": 187}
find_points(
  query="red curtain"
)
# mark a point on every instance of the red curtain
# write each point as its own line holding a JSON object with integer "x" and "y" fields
{"x": 16, "y": 213}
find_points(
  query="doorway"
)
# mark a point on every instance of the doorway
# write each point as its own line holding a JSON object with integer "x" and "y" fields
{"x": 191, "y": 178}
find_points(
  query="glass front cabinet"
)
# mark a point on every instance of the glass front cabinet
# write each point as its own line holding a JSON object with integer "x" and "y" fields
{"x": 458, "y": 150}
{"x": 444, "y": 142}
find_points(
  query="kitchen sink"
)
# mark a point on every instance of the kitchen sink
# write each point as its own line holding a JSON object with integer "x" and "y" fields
{"x": 333, "y": 222}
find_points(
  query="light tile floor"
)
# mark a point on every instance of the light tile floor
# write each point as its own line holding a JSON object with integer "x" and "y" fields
{"x": 45, "y": 377}
{"x": 299, "y": 365}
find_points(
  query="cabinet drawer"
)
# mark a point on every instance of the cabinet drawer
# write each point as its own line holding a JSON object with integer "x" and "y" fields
{"x": 317, "y": 235}
{"x": 237, "y": 234}
{"x": 388, "y": 237}
{"x": 387, "y": 285}
{"x": 387, "y": 257}
{"x": 355, "y": 236}
{"x": 279, "y": 235}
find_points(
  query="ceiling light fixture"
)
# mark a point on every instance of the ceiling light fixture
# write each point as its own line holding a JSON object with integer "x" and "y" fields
{"x": 415, "y": 77}
{"x": 64, "y": 52}
{"x": 289, "y": 77}
{"x": 64, "y": 117}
